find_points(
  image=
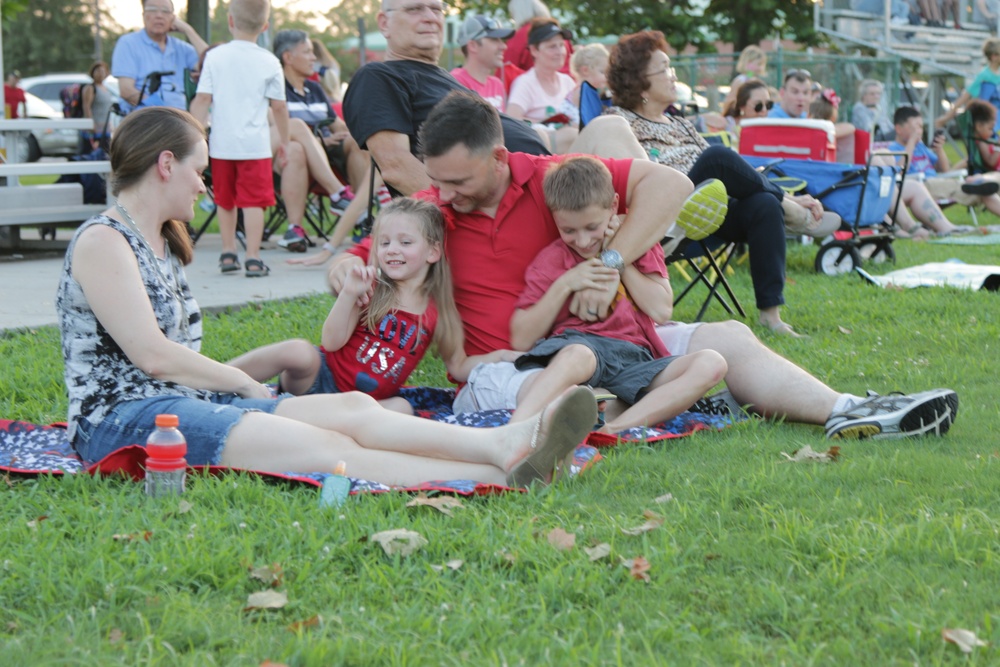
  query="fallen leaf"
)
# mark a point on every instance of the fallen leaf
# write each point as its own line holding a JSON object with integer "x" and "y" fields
{"x": 184, "y": 507}
{"x": 561, "y": 540}
{"x": 598, "y": 551}
{"x": 115, "y": 636}
{"x": 122, "y": 537}
{"x": 302, "y": 625}
{"x": 712, "y": 556}
{"x": 808, "y": 454}
{"x": 665, "y": 498}
{"x": 11, "y": 626}
{"x": 452, "y": 564}
{"x": 269, "y": 599}
{"x": 33, "y": 524}
{"x": 652, "y": 522}
{"x": 638, "y": 567}
{"x": 508, "y": 558}
{"x": 844, "y": 330}
{"x": 965, "y": 640}
{"x": 442, "y": 504}
{"x": 269, "y": 575}
{"x": 400, "y": 541}
{"x": 268, "y": 663}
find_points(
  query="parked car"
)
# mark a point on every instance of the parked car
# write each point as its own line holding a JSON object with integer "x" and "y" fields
{"x": 45, "y": 92}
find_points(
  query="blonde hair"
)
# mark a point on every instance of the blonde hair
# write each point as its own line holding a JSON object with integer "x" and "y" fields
{"x": 748, "y": 55}
{"x": 587, "y": 56}
{"x": 577, "y": 183}
{"x": 250, "y": 15}
{"x": 437, "y": 284}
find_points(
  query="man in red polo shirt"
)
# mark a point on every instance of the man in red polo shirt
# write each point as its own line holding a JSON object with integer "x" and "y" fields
{"x": 497, "y": 221}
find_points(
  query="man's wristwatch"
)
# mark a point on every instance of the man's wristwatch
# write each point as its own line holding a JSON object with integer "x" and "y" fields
{"x": 613, "y": 260}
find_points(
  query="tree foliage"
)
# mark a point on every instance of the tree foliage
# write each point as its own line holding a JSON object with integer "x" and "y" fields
{"x": 54, "y": 36}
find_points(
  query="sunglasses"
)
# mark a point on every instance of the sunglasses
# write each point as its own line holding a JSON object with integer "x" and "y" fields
{"x": 760, "y": 106}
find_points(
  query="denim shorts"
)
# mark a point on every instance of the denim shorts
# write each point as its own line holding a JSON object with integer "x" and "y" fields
{"x": 323, "y": 384}
{"x": 204, "y": 423}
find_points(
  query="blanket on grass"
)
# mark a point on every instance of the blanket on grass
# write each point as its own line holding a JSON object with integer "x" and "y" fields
{"x": 32, "y": 449}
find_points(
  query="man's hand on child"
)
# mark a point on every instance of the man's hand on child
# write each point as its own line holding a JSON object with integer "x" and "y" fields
{"x": 609, "y": 233}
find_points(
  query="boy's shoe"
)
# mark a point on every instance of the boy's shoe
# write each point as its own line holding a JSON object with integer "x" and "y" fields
{"x": 720, "y": 403}
{"x": 294, "y": 239}
{"x": 896, "y": 416}
{"x": 704, "y": 210}
{"x": 981, "y": 188}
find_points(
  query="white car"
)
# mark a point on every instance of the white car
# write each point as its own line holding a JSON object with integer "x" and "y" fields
{"x": 44, "y": 101}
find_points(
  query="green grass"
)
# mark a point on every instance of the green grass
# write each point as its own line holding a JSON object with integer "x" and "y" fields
{"x": 759, "y": 562}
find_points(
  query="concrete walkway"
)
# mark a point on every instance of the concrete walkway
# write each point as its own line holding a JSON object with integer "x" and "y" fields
{"x": 28, "y": 285}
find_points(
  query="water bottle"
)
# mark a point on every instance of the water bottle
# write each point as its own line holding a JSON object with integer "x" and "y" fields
{"x": 166, "y": 468}
{"x": 336, "y": 487}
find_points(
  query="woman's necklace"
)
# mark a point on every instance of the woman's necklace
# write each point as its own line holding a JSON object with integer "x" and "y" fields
{"x": 173, "y": 286}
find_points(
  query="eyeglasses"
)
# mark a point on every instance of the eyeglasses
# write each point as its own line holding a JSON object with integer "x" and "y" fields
{"x": 157, "y": 10}
{"x": 760, "y": 106}
{"x": 435, "y": 8}
{"x": 669, "y": 71}
{"x": 798, "y": 74}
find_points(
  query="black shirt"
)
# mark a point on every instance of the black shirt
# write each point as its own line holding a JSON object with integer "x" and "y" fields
{"x": 398, "y": 96}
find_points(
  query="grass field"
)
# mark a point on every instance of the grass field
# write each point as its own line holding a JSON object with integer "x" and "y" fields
{"x": 757, "y": 562}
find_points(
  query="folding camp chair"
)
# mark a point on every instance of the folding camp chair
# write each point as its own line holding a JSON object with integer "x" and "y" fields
{"x": 708, "y": 260}
{"x": 861, "y": 194}
{"x": 974, "y": 159}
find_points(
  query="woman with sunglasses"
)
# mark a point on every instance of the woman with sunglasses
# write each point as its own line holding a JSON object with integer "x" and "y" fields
{"x": 643, "y": 89}
{"x": 752, "y": 100}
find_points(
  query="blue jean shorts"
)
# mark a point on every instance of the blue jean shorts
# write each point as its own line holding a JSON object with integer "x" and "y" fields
{"x": 323, "y": 384}
{"x": 204, "y": 423}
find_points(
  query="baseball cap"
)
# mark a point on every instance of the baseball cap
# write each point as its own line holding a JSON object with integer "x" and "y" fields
{"x": 542, "y": 32}
{"x": 480, "y": 26}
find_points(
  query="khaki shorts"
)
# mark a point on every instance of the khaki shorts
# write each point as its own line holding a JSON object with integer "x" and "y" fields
{"x": 950, "y": 188}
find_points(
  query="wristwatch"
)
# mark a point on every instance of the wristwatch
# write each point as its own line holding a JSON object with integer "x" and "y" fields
{"x": 613, "y": 260}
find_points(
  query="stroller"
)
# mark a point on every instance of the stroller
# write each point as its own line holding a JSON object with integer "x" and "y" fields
{"x": 861, "y": 194}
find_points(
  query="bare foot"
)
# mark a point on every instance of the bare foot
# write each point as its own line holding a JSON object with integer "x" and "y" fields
{"x": 782, "y": 329}
{"x": 547, "y": 440}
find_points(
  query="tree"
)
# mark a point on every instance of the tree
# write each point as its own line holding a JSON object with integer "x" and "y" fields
{"x": 55, "y": 35}
{"x": 789, "y": 19}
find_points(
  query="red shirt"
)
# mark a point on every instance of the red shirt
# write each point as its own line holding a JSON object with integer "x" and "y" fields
{"x": 488, "y": 256}
{"x": 624, "y": 322}
{"x": 13, "y": 99}
{"x": 379, "y": 362}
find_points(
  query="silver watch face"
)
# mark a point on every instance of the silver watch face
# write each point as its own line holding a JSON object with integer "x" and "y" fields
{"x": 613, "y": 260}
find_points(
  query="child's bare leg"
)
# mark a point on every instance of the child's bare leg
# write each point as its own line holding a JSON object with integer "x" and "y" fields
{"x": 572, "y": 365}
{"x": 397, "y": 404}
{"x": 992, "y": 204}
{"x": 227, "y": 228}
{"x": 296, "y": 361}
{"x": 673, "y": 390}
{"x": 253, "y": 223}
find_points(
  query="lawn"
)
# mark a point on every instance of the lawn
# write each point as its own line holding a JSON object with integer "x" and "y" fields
{"x": 757, "y": 562}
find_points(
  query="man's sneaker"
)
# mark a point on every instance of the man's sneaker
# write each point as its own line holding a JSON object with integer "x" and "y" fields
{"x": 720, "y": 403}
{"x": 981, "y": 188}
{"x": 704, "y": 211}
{"x": 294, "y": 239}
{"x": 896, "y": 416}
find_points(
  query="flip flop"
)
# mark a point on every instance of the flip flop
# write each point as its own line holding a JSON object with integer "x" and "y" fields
{"x": 229, "y": 262}
{"x": 565, "y": 423}
{"x": 256, "y": 269}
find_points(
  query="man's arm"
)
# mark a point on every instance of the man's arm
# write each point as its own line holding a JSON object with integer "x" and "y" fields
{"x": 127, "y": 90}
{"x": 400, "y": 169}
{"x": 192, "y": 35}
{"x": 654, "y": 198}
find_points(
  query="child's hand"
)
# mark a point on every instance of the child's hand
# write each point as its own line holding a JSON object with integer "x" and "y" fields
{"x": 282, "y": 155}
{"x": 360, "y": 284}
{"x": 590, "y": 274}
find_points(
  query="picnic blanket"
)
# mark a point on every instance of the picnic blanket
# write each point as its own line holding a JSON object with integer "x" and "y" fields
{"x": 33, "y": 449}
{"x": 952, "y": 273}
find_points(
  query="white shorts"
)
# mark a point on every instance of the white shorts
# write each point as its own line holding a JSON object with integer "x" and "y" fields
{"x": 495, "y": 386}
{"x": 677, "y": 336}
{"x": 492, "y": 387}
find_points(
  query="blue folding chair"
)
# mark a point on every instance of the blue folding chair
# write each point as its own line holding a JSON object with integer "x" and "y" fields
{"x": 592, "y": 104}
